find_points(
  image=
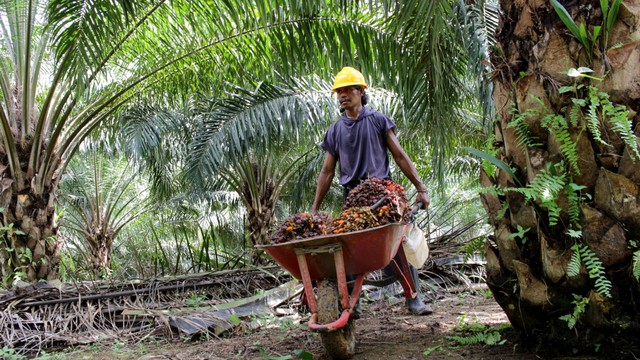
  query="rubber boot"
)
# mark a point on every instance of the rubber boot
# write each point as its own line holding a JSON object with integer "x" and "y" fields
{"x": 415, "y": 305}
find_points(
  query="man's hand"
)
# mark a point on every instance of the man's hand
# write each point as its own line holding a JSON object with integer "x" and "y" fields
{"x": 423, "y": 197}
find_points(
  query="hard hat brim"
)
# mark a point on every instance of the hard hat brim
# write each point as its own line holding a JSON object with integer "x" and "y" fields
{"x": 348, "y": 84}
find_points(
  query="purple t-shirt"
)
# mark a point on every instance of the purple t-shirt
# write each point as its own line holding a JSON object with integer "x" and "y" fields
{"x": 360, "y": 146}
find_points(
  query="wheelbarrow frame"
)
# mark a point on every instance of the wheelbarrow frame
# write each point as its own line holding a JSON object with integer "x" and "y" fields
{"x": 337, "y": 256}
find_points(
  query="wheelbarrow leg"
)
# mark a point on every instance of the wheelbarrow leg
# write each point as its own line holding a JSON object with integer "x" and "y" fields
{"x": 306, "y": 282}
{"x": 348, "y": 301}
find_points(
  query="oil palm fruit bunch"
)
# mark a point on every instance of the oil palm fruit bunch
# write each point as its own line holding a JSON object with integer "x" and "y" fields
{"x": 389, "y": 198}
{"x": 300, "y": 226}
{"x": 353, "y": 219}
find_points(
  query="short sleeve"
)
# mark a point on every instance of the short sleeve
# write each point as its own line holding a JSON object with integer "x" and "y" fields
{"x": 384, "y": 123}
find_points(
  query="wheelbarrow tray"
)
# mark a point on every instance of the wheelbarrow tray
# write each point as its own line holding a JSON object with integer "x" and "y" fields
{"x": 363, "y": 250}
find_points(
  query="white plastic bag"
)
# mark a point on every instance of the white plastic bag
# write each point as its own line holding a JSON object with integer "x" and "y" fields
{"x": 415, "y": 246}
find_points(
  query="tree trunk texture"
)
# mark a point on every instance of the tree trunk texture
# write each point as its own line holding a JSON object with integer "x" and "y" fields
{"x": 260, "y": 201}
{"x": 29, "y": 246}
{"x": 100, "y": 239}
{"x": 528, "y": 275}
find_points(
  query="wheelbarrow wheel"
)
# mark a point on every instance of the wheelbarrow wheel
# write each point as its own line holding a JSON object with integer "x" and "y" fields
{"x": 341, "y": 343}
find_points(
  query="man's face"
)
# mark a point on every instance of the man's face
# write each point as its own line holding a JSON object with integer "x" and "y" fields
{"x": 349, "y": 96}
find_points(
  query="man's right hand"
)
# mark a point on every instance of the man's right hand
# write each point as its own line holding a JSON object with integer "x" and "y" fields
{"x": 423, "y": 198}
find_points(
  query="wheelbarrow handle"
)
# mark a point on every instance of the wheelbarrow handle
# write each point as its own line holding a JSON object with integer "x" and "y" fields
{"x": 378, "y": 203}
{"x": 416, "y": 207}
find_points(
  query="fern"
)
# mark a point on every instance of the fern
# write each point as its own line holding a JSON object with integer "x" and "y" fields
{"x": 593, "y": 121}
{"x": 636, "y": 265}
{"x": 546, "y": 186}
{"x": 492, "y": 338}
{"x": 619, "y": 120}
{"x": 472, "y": 247}
{"x": 574, "y": 114}
{"x": 573, "y": 268}
{"x": 580, "y": 304}
{"x": 569, "y": 148}
{"x": 481, "y": 334}
{"x": 503, "y": 210}
{"x": 616, "y": 116}
{"x": 585, "y": 256}
{"x": 572, "y": 191}
{"x": 525, "y": 139}
{"x": 488, "y": 147}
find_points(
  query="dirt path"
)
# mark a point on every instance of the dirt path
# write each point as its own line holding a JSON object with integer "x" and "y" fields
{"x": 385, "y": 331}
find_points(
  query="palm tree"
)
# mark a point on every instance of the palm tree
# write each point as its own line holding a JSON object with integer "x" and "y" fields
{"x": 69, "y": 65}
{"x": 239, "y": 138}
{"x": 100, "y": 197}
{"x": 563, "y": 198}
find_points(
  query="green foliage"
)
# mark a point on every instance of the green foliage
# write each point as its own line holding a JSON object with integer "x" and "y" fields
{"x": 503, "y": 210}
{"x": 574, "y": 265}
{"x": 600, "y": 111}
{"x": 609, "y": 15}
{"x": 583, "y": 255}
{"x": 579, "y": 305}
{"x": 10, "y": 354}
{"x": 574, "y": 198}
{"x": 489, "y": 149}
{"x": 235, "y": 320}
{"x": 19, "y": 258}
{"x": 546, "y": 187}
{"x": 476, "y": 333}
{"x": 589, "y": 40}
{"x": 195, "y": 300}
{"x": 518, "y": 122}
{"x": 520, "y": 234}
{"x": 636, "y": 265}
{"x": 492, "y": 159}
{"x": 431, "y": 350}
{"x": 474, "y": 246}
{"x": 558, "y": 125}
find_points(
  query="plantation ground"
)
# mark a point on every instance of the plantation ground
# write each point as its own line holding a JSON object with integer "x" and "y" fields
{"x": 385, "y": 331}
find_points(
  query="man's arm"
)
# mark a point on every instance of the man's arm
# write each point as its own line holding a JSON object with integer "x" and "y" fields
{"x": 324, "y": 180}
{"x": 408, "y": 169}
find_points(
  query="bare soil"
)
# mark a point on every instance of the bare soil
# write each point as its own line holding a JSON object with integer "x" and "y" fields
{"x": 386, "y": 330}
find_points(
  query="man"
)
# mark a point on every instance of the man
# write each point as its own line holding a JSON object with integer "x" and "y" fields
{"x": 359, "y": 141}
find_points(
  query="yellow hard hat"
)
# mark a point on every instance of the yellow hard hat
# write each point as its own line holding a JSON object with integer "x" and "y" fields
{"x": 348, "y": 76}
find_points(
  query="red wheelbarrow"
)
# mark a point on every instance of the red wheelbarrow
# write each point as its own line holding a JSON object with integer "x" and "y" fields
{"x": 326, "y": 261}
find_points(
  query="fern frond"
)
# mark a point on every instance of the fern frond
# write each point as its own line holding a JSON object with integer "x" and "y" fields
{"x": 636, "y": 265}
{"x": 525, "y": 139}
{"x": 580, "y": 303}
{"x": 503, "y": 210}
{"x": 574, "y": 114}
{"x": 621, "y": 124}
{"x": 568, "y": 147}
{"x": 574, "y": 202}
{"x": 472, "y": 247}
{"x": 593, "y": 121}
{"x": 573, "y": 267}
{"x": 595, "y": 269}
{"x": 548, "y": 185}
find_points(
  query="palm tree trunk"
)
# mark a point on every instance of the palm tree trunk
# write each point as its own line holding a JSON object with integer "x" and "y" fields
{"x": 29, "y": 244}
{"x": 100, "y": 253}
{"x": 529, "y": 254}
